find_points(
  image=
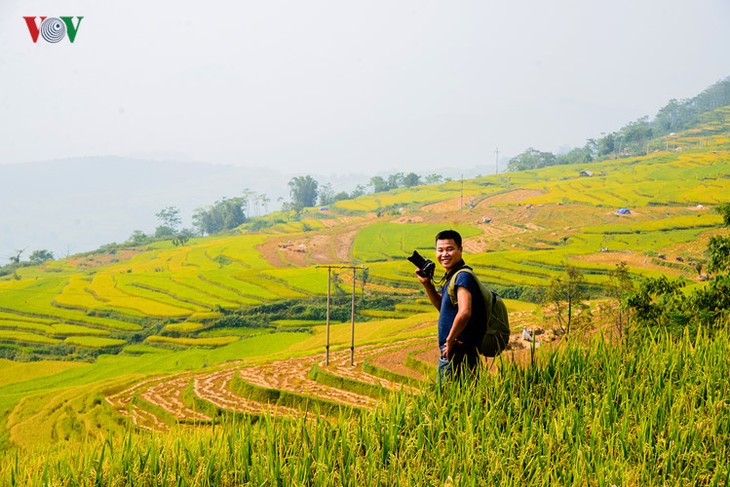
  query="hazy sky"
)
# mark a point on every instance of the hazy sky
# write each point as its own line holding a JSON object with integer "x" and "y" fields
{"x": 341, "y": 86}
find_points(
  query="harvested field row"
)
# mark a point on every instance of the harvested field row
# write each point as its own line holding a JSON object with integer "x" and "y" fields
{"x": 167, "y": 394}
{"x": 289, "y": 375}
{"x": 214, "y": 388}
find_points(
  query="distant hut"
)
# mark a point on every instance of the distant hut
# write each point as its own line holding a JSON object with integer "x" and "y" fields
{"x": 586, "y": 173}
{"x": 623, "y": 211}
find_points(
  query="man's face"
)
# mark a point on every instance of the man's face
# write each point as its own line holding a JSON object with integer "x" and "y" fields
{"x": 448, "y": 253}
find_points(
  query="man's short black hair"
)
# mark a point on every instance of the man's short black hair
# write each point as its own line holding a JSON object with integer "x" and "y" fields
{"x": 449, "y": 235}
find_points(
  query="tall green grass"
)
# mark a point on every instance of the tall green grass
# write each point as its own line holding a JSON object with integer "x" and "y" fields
{"x": 652, "y": 413}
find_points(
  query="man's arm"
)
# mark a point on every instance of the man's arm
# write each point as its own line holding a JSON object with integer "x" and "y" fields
{"x": 463, "y": 297}
{"x": 433, "y": 295}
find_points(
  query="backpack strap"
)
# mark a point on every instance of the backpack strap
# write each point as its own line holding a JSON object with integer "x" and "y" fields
{"x": 480, "y": 286}
{"x": 452, "y": 288}
{"x": 485, "y": 292}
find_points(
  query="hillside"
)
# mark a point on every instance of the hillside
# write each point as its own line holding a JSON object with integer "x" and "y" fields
{"x": 162, "y": 325}
{"x": 47, "y": 205}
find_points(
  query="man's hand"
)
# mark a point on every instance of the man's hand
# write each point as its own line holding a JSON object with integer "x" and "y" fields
{"x": 423, "y": 279}
{"x": 449, "y": 347}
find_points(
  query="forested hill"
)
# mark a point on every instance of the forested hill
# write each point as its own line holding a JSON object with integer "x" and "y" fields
{"x": 643, "y": 135}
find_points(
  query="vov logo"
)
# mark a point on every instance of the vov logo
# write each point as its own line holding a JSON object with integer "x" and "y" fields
{"x": 53, "y": 29}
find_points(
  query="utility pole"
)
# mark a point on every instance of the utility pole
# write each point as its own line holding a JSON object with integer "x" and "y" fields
{"x": 461, "y": 198}
{"x": 327, "y": 339}
{"x": 352, "y": 313}
{"x": 352, "y": 321}
{"x": 497, "y": 161}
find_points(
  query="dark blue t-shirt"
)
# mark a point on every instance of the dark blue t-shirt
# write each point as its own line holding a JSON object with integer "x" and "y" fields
{"x": 474, "y": 331}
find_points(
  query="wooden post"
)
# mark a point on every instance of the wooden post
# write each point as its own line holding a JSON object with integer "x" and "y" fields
{"x": 352, "y": 314}
{"x": 352, "y": 318}
{"x": 327, "y": 343}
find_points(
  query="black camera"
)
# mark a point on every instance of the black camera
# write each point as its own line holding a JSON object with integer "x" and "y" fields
{"x": 426, "y": 268}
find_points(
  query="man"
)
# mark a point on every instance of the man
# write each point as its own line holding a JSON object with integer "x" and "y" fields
{"x": 460, "y": 326}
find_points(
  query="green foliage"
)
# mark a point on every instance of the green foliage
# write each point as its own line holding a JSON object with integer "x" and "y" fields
{"x": 400, "y": 180}
{"x": 138, "y": 237}
{"x": 531, "y": 159}
{"x": 303, "y": 192}
{"x": 180, "y": 239}
{"x": 224, "y": 214}
{"x": 411, "y": 179}
{"x": 566, "y": 294}
{"x": 312, "y": 310}
{"x": 719, "y": 250}
{"x": 724, "y": 211}
{"x": 661, "y": 304}
{"x": 635, "y": 137}
{"x": 169, "y": 217}
{"x": 619, "y": 288}
{"x": 326, "y": 194}
{"x": 40, "y": 256}
{"x": 711, "y": 304}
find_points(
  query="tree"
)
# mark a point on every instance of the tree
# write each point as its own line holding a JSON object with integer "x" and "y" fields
{"x": 15, "y": 259}
{"x": 620, "y": 287}
{"x": 40, "y": 256}
{"x": 170, "y": 219}
{"x": 591, "y": 148}
{"x": 326, "y": 194}
{"x": 225, "y": 214}
{"x": 138, "y": 237}
{"x": 719, "y": 250}
{"x": 606, "y": 145}
{"x": 181, "y": 238}
{"x": 658, "y": 302}
{"x": 718, "y": 247}
{"x": 576, "y": 156}
{"x": 565, "y": 295}
{"x": 724, "y": 211}
{"x": 358, "y": 191}
{"x": 264, "y": 200}
{"x": 434, "y": 179}
{"x": 395, "y": 181}
{"x": 342, "y": 195}
{"x": 303, "y": 192}
{"x": 637, "y": 133}
{"x": 255, "y": 202}
{"x": 674, "y": 116}
{"x": 411, "y": 179}
{"x": 531, "y": 159}
{"x": 378, "y": 184}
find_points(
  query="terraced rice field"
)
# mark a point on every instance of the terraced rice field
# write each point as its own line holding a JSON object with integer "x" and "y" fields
{"x": 520, "y": 229}
{"x": 289, "y": 376}
{"x": 293, "y": 387}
